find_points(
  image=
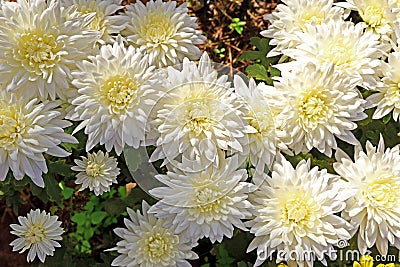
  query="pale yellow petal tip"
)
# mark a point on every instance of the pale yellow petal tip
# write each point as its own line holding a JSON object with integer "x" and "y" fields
{"x": 282, "y": 265}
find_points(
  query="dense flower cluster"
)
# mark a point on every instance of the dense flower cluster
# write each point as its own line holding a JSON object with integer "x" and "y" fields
{"x": 128, "y": 76}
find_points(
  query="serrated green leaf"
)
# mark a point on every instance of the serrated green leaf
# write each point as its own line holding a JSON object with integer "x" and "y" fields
{"x": 263, "y": 47}
{"x": 97, "y": 216}
{"x": 79, "y": 218}
{"x": 258, "y": 71}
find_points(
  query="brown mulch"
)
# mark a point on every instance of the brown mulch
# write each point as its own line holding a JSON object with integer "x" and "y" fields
{"x": 215, "y": 18}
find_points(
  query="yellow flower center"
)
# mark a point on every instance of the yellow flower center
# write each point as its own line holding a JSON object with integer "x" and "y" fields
{"x": 310, "y": 17}
{"x": 295, "y": 210}
{"x": 12, "y": 126}
{"x": 261, "y": 120}
{"x": 35, "y": 234}
{"x": 159, "y": 245}
{"x": 392, "y": 95}
{"x": 208, "y": 201}
{"x": 372, "y": 15}
{"x": 298, "y": 208}
{"x": 38, "y": 52}
{"x": 119, "y": 92}
{"x": 157, "y": 29}
{"x": 340, "y": 53}
{"x": 313, "y": 109}
{"x": 382, "y": 191}
{"x": 98, "y": 20}
{"x": 198, "y": 116}
{"x": 93, "y": 169}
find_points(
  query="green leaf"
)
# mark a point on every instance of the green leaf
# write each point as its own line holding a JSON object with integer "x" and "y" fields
{"x": 60, "y": 167}
{"x": 274, "y": 71}
{"x": 39, "y": 192}
{"x": 122, "y": 191}
{"x": 89, "y": 206}
{"x": 52, "y": 188}
{"x": 88, "y": 233}
{"x": 263, "y": 47}
{"x": 387, "y": 118}
{"x": 97, "y": 216}
{"x": 67, "y": 192}
{"x": 114, "y": 206}
{"x": 79, "y": 218}
{"x": 258, "y": 71}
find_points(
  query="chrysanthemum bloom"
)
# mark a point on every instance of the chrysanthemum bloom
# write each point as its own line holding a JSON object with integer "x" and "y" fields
{"x": 316, "y": 106}
{"x": 115, "y": 90}
{"x": 387, "y": 98}
{"x": 164, "y": 31}
{"x": 377, "y": 15}
{"x": 29, "y": 128}
{"x": 207, "y": 203}
{"x": 97, "y": 172}
{"x": 374, "y": 208}
{"x": 262, "y": 141}
{"x": 365, "y": 261}
{"x": 40, "y": 47}
{"x": 295, "y": 16}
{"x": 147, "y": 243}
{"x": 199, "y": 116}
{"x": 105, "y": 20}
{"x": 354, "y": 53}
{"x": 38, "y": 232}
{"x": 295, "y": 212}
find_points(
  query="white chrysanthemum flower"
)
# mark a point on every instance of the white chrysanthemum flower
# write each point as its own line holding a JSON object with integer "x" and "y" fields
{"x": 164, "y": 31}
{"x": 115, "y": 90}
{"x": 199, "y": 116}
{"x": 295, "y": 211}
{"x": 105, "y": 20}
{"x": 374, "y": 208}
{"x": 316, "y": 106}
{"x": 97, "y": 172}
{"x": 387, "y": 98}
{"x": 147, "y": 243}
{"x": 354, "y": 53}
{"x": 40, "y": 47}
{"x": 206, "y": 203}
{"x": 38, "y": 232}
{"x": 377, "y": 15}
{"x": 28, "y": 129}
{"x": 296, "y": 16}
{"x": 262, "y": 142}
